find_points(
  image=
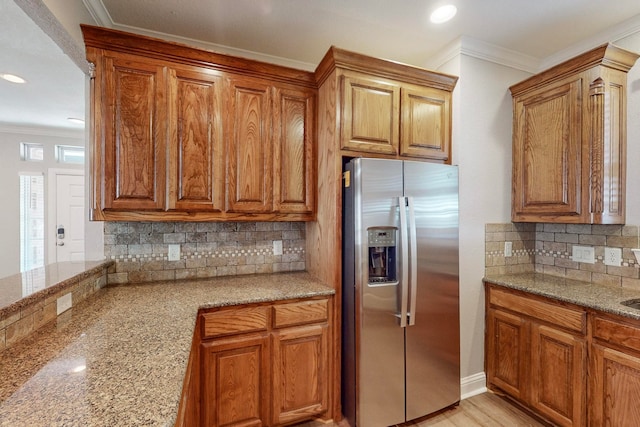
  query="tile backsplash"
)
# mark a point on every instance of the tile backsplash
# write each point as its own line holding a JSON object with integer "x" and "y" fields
{"x": 207, "y": 249}
{"x": 548, "y": 248}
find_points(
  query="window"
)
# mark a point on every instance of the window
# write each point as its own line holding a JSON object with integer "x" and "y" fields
{"x": 30, "y": 152}
{"x": 31, "y": 221}
{"x": 70, "y": 154}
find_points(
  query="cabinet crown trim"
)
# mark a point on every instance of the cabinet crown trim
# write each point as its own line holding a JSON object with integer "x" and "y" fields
{"x": 344, "y": 59}
{"x": 607, "y": 55}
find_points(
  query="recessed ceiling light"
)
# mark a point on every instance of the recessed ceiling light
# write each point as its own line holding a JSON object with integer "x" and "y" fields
{"x": 76, "y": 120}
{"x": 443, "y": 14}
{"x": 12, "y": 78}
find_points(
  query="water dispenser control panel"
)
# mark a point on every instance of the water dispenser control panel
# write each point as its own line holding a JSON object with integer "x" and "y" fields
{"x": 382, "y": 255}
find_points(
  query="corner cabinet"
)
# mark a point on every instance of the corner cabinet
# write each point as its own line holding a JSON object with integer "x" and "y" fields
{"x": 259, "y": 365}
{"x": 569, "y": 140}
{"x": 180, "y": 133}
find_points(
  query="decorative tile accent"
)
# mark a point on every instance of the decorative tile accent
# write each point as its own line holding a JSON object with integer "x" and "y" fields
{"x": 140, "y": 249}
{"x": 553, "y": 247}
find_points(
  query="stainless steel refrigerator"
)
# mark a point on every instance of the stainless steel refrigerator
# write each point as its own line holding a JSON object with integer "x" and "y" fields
{"x": 400, "y": 331}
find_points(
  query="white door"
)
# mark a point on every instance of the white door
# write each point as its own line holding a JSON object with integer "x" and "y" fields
{"x": 67, "y": 219}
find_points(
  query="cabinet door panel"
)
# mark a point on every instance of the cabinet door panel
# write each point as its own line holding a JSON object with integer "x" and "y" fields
{"x": 558, "y": 375}
{"x": 294, "y": 125}
{"x": 615, "y": 388}
{"x": 506, "y": 352}
{"x": 547, "y": 153}
{"x": 249, "y": 187}
{"x": 196, "y": 159}
{"x": 300, "y": 359}
{"x": 135, "y": 135}
{"x": 370, "y": 112}
{"x": 235, "y": 382}
{"x": 425, "y": 123}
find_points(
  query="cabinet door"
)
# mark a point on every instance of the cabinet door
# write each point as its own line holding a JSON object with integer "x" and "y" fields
{"x": 425, "y": 123}
{"x": 196, "y": 161}
{"x": 294, "y": 128}
{"x": 370, "y": 113}
{"x": 300, "y": 381}
{"x": 558, "y": 375}
{"x": 507, "y": 343}
{"x": 547, "y": 155}
{"x": 235, "y": 382}
{"x": 249, "y": 153}
{"x": 615, "y": 388}
{"x": 135, "y": 116}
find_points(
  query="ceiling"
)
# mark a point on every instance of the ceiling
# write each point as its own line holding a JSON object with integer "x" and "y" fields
{"x": 298, "y": 32}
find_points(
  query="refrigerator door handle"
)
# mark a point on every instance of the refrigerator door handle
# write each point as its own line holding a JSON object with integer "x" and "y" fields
{"x": 404, "y": 245}
{"x": 413, "y": 263}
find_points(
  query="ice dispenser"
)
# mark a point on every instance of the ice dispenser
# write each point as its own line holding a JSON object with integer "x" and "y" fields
{"x": 382, "y": 255}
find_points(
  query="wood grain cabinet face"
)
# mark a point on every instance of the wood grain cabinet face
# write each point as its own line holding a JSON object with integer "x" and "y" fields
{"x": 569, "y": 140}
{"x": 370, "y": 114}
{"x": 425, "y": 123}
{"x": 537, "y": 363}
{"x": 293, "y": 153}
{"x": 196, "y": 160}
{"x": 133, "y": 153}
{"x": 249, "y": 150}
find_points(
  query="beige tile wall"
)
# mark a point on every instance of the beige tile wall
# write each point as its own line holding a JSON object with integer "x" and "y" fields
{"x": 140, "y": 249}
{"x": 553, "y": 246}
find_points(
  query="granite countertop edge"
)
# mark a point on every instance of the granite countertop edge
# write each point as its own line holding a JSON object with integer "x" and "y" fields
{"x": 601, "y": 297}
{"x": 135, "y": 341}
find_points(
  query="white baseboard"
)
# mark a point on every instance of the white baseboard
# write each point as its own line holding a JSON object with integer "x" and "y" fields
{"x": 473, "y": 385}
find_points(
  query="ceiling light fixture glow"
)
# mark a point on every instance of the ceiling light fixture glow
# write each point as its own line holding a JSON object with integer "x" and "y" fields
{"x": 443, "y": 14}
{"x": 12, "y": 78}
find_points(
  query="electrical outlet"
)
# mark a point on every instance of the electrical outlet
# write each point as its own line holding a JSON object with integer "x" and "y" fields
{"x": 584, "y": 254}
{"x": 174, "y": 252}
{"x": 613, "y": 256}
{"x": 508, "y": 249}
{"x": 277, "y": 247}
{"x": 64, "y": 303}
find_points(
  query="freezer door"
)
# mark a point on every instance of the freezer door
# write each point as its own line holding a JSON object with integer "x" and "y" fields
{"x": 380, "y": 371}
{"x": 433, "y": 342}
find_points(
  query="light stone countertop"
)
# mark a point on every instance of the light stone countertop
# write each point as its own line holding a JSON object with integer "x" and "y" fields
{"x": 134, "y": 342}
{"x": 599, "y": 297}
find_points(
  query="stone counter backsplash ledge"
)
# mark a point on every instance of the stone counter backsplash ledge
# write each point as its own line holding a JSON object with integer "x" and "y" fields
{"x": 140, "y": 249}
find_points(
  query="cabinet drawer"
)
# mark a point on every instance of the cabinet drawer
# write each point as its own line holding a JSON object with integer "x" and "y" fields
{"x": 235, "y": 321}
{"x": 559, "y": 316}
{"x": 618, "y": 333}
{"x": 299, "y": 313}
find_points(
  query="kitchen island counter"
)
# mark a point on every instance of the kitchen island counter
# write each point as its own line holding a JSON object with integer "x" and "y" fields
{"x": 119, "y": 358}
{"x": 603, "y": 298}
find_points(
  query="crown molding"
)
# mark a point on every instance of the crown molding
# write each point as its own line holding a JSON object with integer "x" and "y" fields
{"x": 613, "y": 34}
{"x": 99, "y": 13}
{"x": 43, "y": 131}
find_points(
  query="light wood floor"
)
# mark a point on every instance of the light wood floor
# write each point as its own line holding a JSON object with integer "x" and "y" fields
{"x": 483, "y": 410}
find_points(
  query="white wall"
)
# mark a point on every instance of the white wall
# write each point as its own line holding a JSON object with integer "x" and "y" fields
{"x": 482, "y": 149}
{"x": 10, "y": 167}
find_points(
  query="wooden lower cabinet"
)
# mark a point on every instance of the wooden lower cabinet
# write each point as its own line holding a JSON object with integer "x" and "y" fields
{"x": 536, "y": 354}
{"x": 259, "y": 365}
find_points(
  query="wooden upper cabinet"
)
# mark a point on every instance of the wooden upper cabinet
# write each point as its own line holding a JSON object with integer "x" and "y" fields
{"x": 183, "y": 134}
{"x": 370, "y": 114}
{"x": 569, "y": 141}
{"x": 134, "y": 124}
{"x": 425, "y": 123}
{"x": 388, "y": 109}
{"x": 196, "y": 160}
{"x": 293, "y": 153}
{"x": 249, "y": 151}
